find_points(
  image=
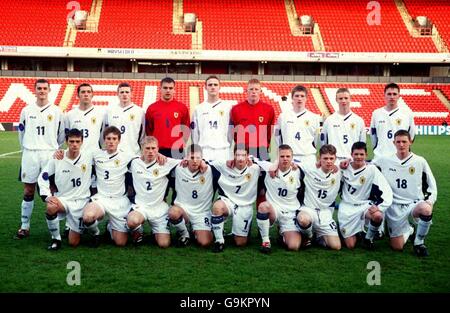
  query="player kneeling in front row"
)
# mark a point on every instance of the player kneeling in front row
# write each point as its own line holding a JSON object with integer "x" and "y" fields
{"x": 365, "y": 195}
{"x": 150, "y": 180}
{"x": 70, "y": 178}
{"x": 282, "y": 205}
{"x": 111, "y": 165}
{"x": 415, "y": 193}
{"x": 321, "y": 189}
{"x": 192, "y": 204}
{"x": 237, "y": 193}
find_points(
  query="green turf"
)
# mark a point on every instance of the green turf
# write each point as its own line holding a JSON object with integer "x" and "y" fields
{"x": 26, "y": 266}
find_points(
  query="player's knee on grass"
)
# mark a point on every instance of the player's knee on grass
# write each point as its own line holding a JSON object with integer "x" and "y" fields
{"x": 350, "y": 242}
{"x": 204, "y": 238}
{"x": 333, "y": 242}
{"x": 162, "y": 240}
{"x": 120, "y": 238}
{"x": 397, "y": 243}
{"x": 240, "y": 241}
{"x": 74, "y": 239}
{"x": 293, "y": 244}
{"x": 304, "y": 219}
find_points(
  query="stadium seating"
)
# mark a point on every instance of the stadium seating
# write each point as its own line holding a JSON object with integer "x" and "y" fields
{"x": 436, "y": 10}
{"x": 344, "y": 27}
{"x": 15, "y": 93}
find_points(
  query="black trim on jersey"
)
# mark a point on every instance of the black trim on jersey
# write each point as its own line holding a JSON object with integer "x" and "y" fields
{"x": 290, "y": 170}
{"x": 76, "y": 161}
{"x": 393, "y": 112}
{"x": 241, "y": 173}
{"x": 45, "y": 108}
{"x": 404, "y": 162}
{"x": 59, "y": 127}
{"x": 51, "y": 180}
{"x": 301, "y": 190}
{"x": 114, "y": 155}
{"x": 329, "y": 174}
{"x": 376, "y": 195}
{"x": 426, "y": 193}
{"x": 128, "y": 108}
{"x": 215, "y": 180}
{"x": 195, "y": 175}
{"x": 298, "y": 116}
{"x": 216, "y": 104}
{"x": 348, "y": 117}
{"x": 359, "y": 172}
{"x": 151, "y": 164}
{"x": 89, "y": 111}
{"x": 140, "y": 134}
{"x": 129, "y": 163}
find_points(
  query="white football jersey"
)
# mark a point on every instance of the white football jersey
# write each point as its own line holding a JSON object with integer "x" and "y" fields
{"x": 298, "y": 130}
{"x": 110, "y": 170}
{"x": 342, "y": 131}
{"x": 210, "y": 124}
{"x": 41, "y": 128}
{"x": 321, "y": 189}
{"x": 240, "y": 186}
{"x": 410, "y": 179}
{"x": 385, "y": 124}
{"x": 282, "y": 191}
{"x": 72, "y": 177}
{"x": 90, "y": 123}
{"x": 366, "y": 183}
{"x": 130, "y": 121}
{"x": 194, "y": 190}
{"x": 150, "y": 180}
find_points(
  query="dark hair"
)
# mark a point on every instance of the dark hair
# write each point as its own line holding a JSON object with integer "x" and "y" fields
{"x": 124, "y": 84}
{"x": 111, "y": 130}
{"x": 74, "y": 132}
{"x": 359, "y": 145}
{"x": 83, "y": 85}
{"x": 194, "y": 148}
{"x": 327, "y": 149}
{"x": 285, "y": 147}
{"x": 41, "y": 81}
{"x": 299, "y": 88}
{"x": 241, "y": 146}
{"x": 391, "y": 85}
{"x": 402, "y": 132}
{"x": 169, "y": 80}
{"x": 211, "y": 77}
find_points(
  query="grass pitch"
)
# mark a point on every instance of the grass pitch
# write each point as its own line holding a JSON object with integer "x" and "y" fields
{"x": 26, "y": 265}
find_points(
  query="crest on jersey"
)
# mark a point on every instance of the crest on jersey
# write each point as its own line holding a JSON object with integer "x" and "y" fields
{"x": 221, "y": 113}
{"x": 117, "y": 162}
{"x": 333, "y": 181}
{"x": 291, "y": 179}
{"x": 362, "y": 180}
{"x": 306, "y": 123}
{"x": 175, "y": 114}
{"x": 261, "y": 119}
{"x": 398, "y": 121}
{"x": 202, "y": 180}
{"x": 412, "y": 170}
{"x": 155, "y": 172}
{"x": 132, "y": 116}
{"x": 83, "y": 168}
{"x": 50, "y": 118}
{"x": 93, "y": 120}
{"x": 248, "y": 176}
{"x": 352, "y": 125}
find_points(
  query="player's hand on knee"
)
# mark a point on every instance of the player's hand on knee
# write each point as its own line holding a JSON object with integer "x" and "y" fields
{"x": 59, "y": 154}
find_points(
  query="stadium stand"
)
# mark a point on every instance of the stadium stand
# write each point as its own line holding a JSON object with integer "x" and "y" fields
{"x": 346, "y": 32}
{"x": 428, "y": 109}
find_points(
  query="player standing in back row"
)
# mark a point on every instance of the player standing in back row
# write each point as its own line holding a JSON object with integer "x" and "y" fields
{"x": 41, "y": 132}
